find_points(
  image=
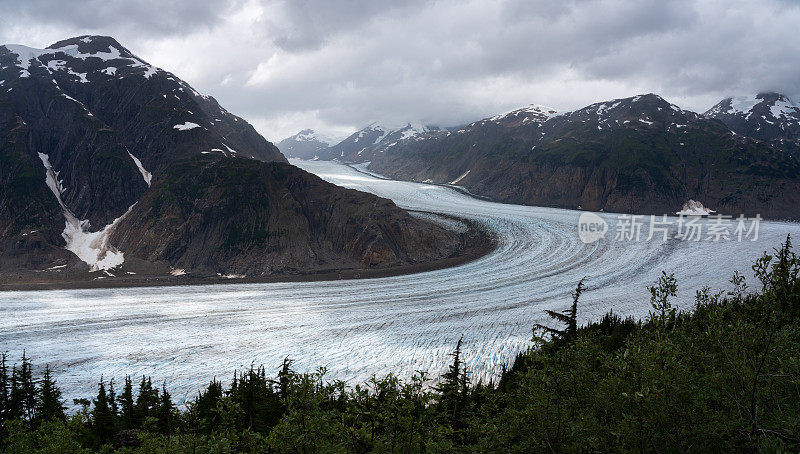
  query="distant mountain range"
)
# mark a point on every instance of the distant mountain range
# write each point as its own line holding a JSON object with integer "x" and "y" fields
{"x": 358, "y": 147}
{"x": 306, "y": 144}
{"x": 112, "y": 165}
{"x": 635, "y": 155}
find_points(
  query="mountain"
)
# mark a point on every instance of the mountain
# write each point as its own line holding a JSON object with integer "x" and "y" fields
{"x": 635, "y": 155}
{"x": 111, "y": 164}
{"x": 771, "y": 117}
{"x": 306, "y": 144}
{"x": 533, "y": 114}
{"x": 364, "y": 144}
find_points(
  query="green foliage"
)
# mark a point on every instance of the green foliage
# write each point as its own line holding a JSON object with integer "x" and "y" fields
{"x": 723, "y": 378}
{"x": 102, "y": 417}
{"x": 49, "y": 404}
{"x": 660, "y": 293}
{"x": 568, "y": 317}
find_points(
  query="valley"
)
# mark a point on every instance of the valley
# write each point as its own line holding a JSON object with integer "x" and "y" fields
{"x": 186, "y": 335}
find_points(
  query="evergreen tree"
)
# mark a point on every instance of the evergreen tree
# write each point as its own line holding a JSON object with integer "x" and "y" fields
{"x": 112, "y": 402}
{"x": 103, "y": 421}
{"x": 206, "y": 406}
{"x": 50, "y": 406}
{"x": 5, "y": 386}
{"x": 165, "y": 412}
{"x": 260, "y": 405}
{"x": 27, "y": 387}
{"x": 453, "y": 390}
{"x": 569, "y": 317}
{"x": 284, "y": 378}
{"x": 127, "y": 411}
{"x": 146, "y": 400}
{"x": 16, "y": 396}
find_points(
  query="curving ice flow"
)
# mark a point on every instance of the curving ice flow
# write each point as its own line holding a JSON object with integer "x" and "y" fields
{"x": 188, "y": 335}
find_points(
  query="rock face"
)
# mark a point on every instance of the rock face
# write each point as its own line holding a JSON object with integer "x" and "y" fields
{"x": 306, "y": 144}
{"x": 694, "y": 208}
{"x": 635, "y": 155}
{"x": 103, "y": 156}
{"x": 770, "y": 117}
{"x": 249, "y": 218}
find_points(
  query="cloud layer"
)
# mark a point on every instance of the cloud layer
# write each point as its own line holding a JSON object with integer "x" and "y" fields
{"x": 335, "y": 66}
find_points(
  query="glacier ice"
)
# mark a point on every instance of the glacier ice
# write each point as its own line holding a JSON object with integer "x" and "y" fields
{"x": 188, "y": 335}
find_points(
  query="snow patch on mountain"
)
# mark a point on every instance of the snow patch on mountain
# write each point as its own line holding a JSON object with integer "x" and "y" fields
{"x": 743, "y": 104}
{"x": 385, "y": 132}
{"x": 463, "y": 175}
{"x": 531, "y": 110}
{"x": 26, "y": 55}
{"x": 783, "y": 108}
{"x": 603, "y": 108}
{"x": 186, "y": 126}
{"x": 145, "y": 174}
{"x": 91, "y": 247}
{"x": 230, "y": 150}
{"x": 411, "y": 130}
{"x": 310, "y": 135}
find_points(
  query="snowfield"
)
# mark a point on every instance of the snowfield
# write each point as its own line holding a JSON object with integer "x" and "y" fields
{"x": 190, "y": 334}
{"x": 91, "y": 247}
{"x": 186, "y": 126}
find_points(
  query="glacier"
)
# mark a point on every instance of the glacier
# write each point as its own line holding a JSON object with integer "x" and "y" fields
{"x": 188, "y": 335}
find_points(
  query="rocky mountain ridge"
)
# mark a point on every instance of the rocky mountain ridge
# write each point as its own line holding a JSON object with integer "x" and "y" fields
{"x": 363, "y": 144}
{"x": 306, "y": 144}
{"x": 770, "y": 117}
{"x": 637, "y": 155}
{"x": 111, "y": 165}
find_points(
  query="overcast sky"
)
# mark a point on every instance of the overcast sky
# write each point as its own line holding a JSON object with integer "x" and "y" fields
{"x": 336, "y": 65}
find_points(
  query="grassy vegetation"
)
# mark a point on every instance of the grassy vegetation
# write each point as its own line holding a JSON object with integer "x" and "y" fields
{"x": 724, "y": 377}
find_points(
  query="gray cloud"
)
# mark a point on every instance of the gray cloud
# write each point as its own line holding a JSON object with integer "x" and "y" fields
{"x": 159, "y": 17}
{"x": 307, "y": 24}
{"x": 334, "y": 66}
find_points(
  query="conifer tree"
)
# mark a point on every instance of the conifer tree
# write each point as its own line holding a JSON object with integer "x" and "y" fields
{"x": 21, "y": 382}
{"x": 206, "y": 406}
{"x": 14, "y": 397}
{"x": 453, "y": 389}
{"x": 27, "y": 387}
{"x": 165, "y": 412}
{"x": 127, "y": 411}
{"x": 284, "y": 377}
{"x": 50, "y": 406}
{"x": 146, "y": 400}
{"x": 103, "y": 422}
{"x": 112, "y": 402}
{"x": 569, "y": 317}
{"x": 5, "y": 386}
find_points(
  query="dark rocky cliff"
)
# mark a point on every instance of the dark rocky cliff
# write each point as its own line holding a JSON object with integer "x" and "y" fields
{"x": 634, "y": 155}
{"x": 105, "y": 156}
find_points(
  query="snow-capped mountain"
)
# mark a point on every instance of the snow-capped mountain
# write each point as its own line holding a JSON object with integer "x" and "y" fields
{"x": 640, "y": 154}
{"x": 110, "y": 164}
{"x": 771, "y": 117}
{"x": 533, "y": 113}
{"x": 306, "y": 144}
{"x": 374, "y": 138}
